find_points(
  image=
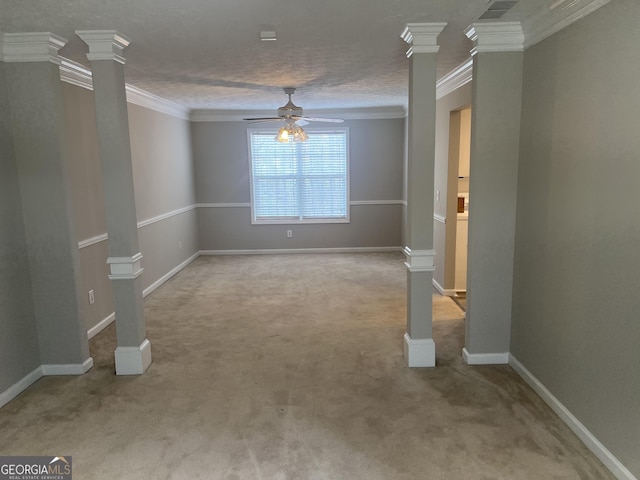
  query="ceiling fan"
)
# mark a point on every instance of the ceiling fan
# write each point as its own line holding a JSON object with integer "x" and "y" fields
{"x": 292, "y": 113}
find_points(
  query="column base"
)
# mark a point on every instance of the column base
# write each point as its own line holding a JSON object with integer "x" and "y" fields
{"x": 485, "y": 358}
{"x": 419, "y": 352}
{"x": 133, "y": 360}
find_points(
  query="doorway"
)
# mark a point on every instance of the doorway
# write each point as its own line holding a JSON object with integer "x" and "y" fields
{"x": 458, "y": 199}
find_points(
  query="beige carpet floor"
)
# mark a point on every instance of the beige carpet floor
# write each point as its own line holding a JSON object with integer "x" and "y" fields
{"x": 291, "y": 367}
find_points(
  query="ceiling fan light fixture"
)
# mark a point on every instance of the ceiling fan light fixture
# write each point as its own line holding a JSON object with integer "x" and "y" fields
{"x": 291, "y": 132}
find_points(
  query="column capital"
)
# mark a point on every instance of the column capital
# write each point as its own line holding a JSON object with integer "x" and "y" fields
{"x": 423, "y": 37}
{"x": 496, "y": 37}
{"x": 104, "y": 44}
{"x": 31, "y": 47}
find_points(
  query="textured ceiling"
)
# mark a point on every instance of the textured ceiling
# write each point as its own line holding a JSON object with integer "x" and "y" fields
{"x": 207, "y": 54}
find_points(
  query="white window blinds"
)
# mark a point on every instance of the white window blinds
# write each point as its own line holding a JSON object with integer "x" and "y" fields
{"x": 299, "y": 181}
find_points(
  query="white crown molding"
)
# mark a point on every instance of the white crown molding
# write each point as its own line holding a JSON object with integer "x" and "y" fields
{"x": 142, "y": 98}
{"x": 496, "y": 37}
{"x": 31, "y": 47}
{"x": 76, "y": 74}
{"x": 372, "y": 113}
{"x": 105, "y": 44}
{"x": 560, "y": 15}
{"x": 456, "y": 78}
{"x": 423, "y": 37}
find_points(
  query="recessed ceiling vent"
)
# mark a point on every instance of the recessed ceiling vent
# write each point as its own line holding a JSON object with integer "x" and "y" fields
{"x": 498, "y": 9}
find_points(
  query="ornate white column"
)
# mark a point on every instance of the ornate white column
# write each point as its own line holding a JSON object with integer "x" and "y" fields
{"x": 495, "y": 137}
{"x": 31, "y": 67}
{"x": 133, "y": 354}
{"x": 419, "y": 347}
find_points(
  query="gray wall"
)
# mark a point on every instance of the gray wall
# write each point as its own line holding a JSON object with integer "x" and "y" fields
{"x": 447, "y": 206}
{"x": 19, "y": 350}
{"x": 165, "y": 198}
{"x": 164, "y": 184}
{"x": 575, "y": 301}
{"x": 221, "y": 162}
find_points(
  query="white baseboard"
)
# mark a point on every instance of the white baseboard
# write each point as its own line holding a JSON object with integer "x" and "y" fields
{"x": 443, "y": 291}
{"x": 599, "y": 450}
{"x": 155, "y": 285}
{"x": 133, "y": 360}
{"x": 485, "y": 358}
{"x": 20, "y": 386}
{"x": 419, "y": 352}
{"x": 276, "y": 251}
{"x": 68, "y": 369}
{"x": 101, "y": 325}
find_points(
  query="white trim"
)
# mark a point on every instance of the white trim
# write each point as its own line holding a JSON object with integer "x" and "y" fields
{"x": 374, "y": 202}
{"x": 155, "y": 285}
{"x": 496, "y": 37}
{"x": 133, "y": 360}
{"x": 68, "y": 369}
{"x": 31, "y": 47}
{"x": 101, "y": 325}
{"x": 549, "y": 21}
{"x": 456, "y": 78}
{"x": 125, "y": 268}
{"x": 419, "y": 260}
{"x": 609, "y": 460}
{"x": 280, "y": 251}
{"x": 223, "y": 205}
{"x": 423, "y": 37}
{"x": 368, "y": 113}
{"x": 20, "y": 386}
{"x": 485, "y": 358}
{"x": 75, "y": 74}
{"x": 104, "y": 44}
{"x": 419, "y": 352}
{"x": 103, "y": 237}
{"x": 443, "y": 291}
{"x": 164, "y": 216}
{"x": 142, "y": 98}
{"x": 439, "y": 218}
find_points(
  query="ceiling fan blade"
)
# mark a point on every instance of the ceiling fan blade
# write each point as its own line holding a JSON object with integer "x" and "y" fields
{"x": 263, "y": 119}
{"x": 301, "y": 122}
{"x": 318, "y": 119}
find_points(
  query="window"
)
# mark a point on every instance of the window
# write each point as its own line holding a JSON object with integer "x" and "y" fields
{"x": 299, "y": 182}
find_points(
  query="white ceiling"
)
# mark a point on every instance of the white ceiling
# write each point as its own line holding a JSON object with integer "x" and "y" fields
{"x": 207, "y": 54}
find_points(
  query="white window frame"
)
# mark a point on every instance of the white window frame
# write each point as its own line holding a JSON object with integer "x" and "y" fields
{"x": 289, "y": 221}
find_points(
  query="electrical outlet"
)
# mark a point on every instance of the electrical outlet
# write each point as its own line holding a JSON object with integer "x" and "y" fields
{"x": 289, "y": 233}
{"x": 92, "y": 298}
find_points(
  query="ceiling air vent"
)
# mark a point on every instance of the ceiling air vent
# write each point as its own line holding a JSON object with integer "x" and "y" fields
{"x": 498, "y": 9}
